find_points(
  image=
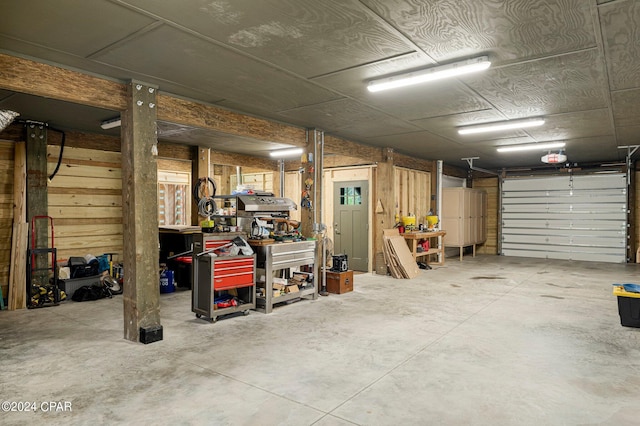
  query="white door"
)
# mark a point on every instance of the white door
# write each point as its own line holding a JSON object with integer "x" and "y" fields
{"x": 566, "y": 217}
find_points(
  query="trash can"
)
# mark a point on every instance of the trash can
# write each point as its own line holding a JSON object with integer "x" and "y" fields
{"x": 166, "y": 281}
{"x": 628, "y": 305}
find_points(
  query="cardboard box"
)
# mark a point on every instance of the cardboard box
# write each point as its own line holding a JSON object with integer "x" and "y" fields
{"x": 278, "y": 286}
{"x": 282, "y": 281}
{"x": 339, "y": 282}
{"x": 276, "y": 293}
{"x": 304, "y": 276}
{"x": 292, "y": 289}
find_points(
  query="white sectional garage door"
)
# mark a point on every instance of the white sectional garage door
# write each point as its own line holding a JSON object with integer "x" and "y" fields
{"x": 566, "y": 217}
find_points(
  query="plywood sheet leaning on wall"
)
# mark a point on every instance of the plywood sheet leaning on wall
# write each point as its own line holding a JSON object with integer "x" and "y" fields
{"x": 6, "y": 211}
{"x": 398, "y": 256}
{"x": 85, "y": 201}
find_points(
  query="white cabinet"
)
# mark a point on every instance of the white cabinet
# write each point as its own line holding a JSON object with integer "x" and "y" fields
{"x": 464, "y": 217}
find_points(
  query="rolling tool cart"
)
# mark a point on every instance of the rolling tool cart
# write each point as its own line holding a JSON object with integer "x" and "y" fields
{"x": 42, "y": 273}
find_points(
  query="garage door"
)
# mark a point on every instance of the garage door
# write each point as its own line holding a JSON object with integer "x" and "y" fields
{"x": 566, "y": 217}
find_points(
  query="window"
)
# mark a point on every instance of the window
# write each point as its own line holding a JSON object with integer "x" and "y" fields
{"x": 174, "y": 198}
{"x": 350, "y": 196}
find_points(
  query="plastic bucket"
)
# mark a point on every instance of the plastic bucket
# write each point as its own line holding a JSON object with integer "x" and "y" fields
{"x": 166, "y": 282}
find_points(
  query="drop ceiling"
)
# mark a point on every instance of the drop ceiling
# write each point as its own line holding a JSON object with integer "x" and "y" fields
{"x": 307, "y": 63}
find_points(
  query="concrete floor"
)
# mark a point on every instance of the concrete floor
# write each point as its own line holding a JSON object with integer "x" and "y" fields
{"x": 490, "y": 340}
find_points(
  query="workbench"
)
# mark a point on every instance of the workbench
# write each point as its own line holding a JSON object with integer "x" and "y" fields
{"x": 413, "y": 237}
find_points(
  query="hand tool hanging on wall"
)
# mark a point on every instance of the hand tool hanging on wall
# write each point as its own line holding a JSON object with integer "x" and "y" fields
{"x": 203, "y": 192}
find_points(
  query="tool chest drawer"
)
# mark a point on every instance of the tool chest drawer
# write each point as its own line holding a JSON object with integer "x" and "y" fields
{"x": 227, "y": 278}
{"x": 227, "y": 281}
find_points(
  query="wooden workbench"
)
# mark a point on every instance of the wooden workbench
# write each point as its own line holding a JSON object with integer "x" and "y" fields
{"x": 413, "y": 237}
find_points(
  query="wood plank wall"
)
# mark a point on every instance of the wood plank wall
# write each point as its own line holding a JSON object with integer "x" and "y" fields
{"x": 491, "y": 186}
{"x": 6, "y": 212}
{"x": 413, "y": 193}
{"x": 85, "y": 201}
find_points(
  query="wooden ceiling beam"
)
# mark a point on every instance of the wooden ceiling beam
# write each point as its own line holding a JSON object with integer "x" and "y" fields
{"x": 181, "y": 111}
{"x": 338, "y": 146}
{"x": 232, "y": 159}
{"x": 35, "y": 78}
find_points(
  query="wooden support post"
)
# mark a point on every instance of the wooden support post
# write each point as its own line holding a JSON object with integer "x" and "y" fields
{"x": 225, "y": 180}
{"x": 18, "y": 273}
{"x": 385, "y": 194}
{"x": 37, "y": 199}
{"x": 201, "y": 168}
{"x": 306, "y": 213}
{"x": 140, "y": 215}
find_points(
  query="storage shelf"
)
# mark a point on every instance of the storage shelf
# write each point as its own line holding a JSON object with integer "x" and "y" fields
{"x": 412, "y": 239}
{"x": 286, "y": 297}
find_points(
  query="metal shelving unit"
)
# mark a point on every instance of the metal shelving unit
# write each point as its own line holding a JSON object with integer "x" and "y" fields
{"x": 280, "y": 256}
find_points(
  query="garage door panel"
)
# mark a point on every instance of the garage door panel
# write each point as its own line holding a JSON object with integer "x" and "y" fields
{"x": 575, "y": 216}
{"x": 579, "y": 217}
{"x": 566, "y": 241}
{"x": 528, "y": 184}
{"x": 511, "y": 223}
{"x": 617, "y": 234}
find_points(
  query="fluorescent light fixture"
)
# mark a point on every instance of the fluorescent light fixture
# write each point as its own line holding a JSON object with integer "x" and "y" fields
{"x": 290, "y": 152}
{"x": 532, "y": 146}
{"x": 110, "y": 124}
{"x": 436, "y": 73}
{"x": 501, "y": 125}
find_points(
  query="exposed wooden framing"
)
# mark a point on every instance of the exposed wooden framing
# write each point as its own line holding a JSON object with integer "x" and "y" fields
{"x": 490, "y": 185}
{"x": 333, "y": 161}
{"x": 35, "y": 78}
{"x": 307, "y": 214}
{"x": 384, "y": 192}
{"x": 176, "y": 110}
{"x": 95, "y": 141}
{"x": 454, "y": 171}
{"x": 37, "y": 202}
{"x": 18, "y": 266}
{"x": 413, "y": 163}
{"x": 231, "y": 159}
{"x": 342, "y": 147}
{"x": 174, "y": 151}
{"x": 14, "y": 132}
{"x": 140, "y": 211}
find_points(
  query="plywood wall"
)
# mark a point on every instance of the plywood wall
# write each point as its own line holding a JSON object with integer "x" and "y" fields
{"x": 85, "y": 201}
{"x": 490, "y": 185}
{"x": 412, "y": 193}
{"x": 6, "y": 211}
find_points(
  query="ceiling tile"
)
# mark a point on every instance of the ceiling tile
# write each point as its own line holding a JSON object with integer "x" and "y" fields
{"x": 76, "y": 27}
{"x": 581, "y": 124}
{"x": 591, "y": 150}
{"x": 572, "y": 82}
{"x": 626, "y": 105}
{"x": 628, "y": 135}
{"x": 620, "y": 22}
{"x": 306, "y": 37}
{"x": 517, "y": 29}
{"x": 409, "y": 103}
{"x": 188, "y": 135}
{"x": 447, "y": 125}
{"x": 213, "y": 70}
{"x": 347, "y": 117}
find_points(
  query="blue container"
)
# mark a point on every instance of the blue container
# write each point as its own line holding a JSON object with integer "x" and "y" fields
{"x": 166, "y": 282}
